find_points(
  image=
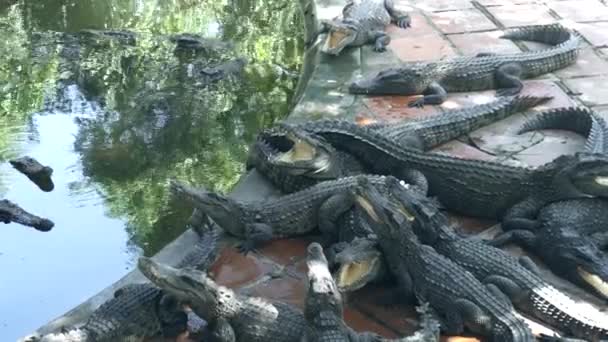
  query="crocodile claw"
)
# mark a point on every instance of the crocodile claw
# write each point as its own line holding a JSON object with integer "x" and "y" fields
{"x": 404, "y": 22}
{"x": 380, "y": 48}
{"x": 419, "y": 103}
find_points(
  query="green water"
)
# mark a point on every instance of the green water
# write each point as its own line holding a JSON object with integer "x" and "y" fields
{"x": 116, "y": 120}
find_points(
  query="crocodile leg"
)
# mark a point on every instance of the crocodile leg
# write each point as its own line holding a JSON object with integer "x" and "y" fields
{"x": 330, "y": 211}
{"x": 523, "y": 215}
{"x": 219, "y": 331}
{"x": 499, "y": 294}
{"x": 507, "y": 287}
{"x": 399, "y": 18}
{"x": 519, "y": 236}
{"x": 380, "y": 39}
{"x": 528, "y": 264}
{"x": 469, "y": 312}
{"x": 434, "y": 94}
{"x": 508, "y": 79}
{"x": 255, "y": 235}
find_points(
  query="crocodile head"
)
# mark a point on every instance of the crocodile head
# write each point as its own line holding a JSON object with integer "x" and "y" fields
{"x": 340, "y": 34}
{"x": 298, "y": 153}
{"x": 189, "y": 285}
{"x": 580, "y": 175}
{"x": 410, "y": 80}
{"x": 359, "y": 263}
{"x": 226, "y": 212}
{"x": 323, "y": 294}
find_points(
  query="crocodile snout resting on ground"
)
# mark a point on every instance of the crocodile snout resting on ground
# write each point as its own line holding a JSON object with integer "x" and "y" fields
{"x": 484, "y": 71}
{"x": 453, "y": 292}
{"x": 324, "y": 310}
{"x": 363, "y": 22}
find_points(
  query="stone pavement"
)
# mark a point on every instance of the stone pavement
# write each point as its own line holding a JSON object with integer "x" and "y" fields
{"x": 440, "y": 28}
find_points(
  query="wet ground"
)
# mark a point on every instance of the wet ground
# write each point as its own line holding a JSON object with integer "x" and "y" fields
{"x": 115, "y": 119}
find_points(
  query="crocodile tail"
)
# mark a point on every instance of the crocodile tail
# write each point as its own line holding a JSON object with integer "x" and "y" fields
{"x": 522, "y": 103}
{"x": 552, "y": 34}
{"x": 575, "y": 119}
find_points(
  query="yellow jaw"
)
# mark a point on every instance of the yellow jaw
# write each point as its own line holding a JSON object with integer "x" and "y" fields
{"x": 600, "y": 285}
{"x": 301, "y": 151}
{"x": 335, "y": 38}
{"x": 352, "y": 273}
{"x": 369, "y": 209}
{"x": 603, "y": 181}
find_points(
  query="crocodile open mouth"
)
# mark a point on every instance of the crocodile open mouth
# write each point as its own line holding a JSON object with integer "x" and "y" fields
{"x": 335, "y": 38}
{"x": 300, "y": 151}
{"x": 603, "y": 181}
{"x": 368, "y": 207}
{"x": 598, "y": 283}
{"x": 351, "y": 275}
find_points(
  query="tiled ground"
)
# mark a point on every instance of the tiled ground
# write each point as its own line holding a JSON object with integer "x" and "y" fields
{"x": 443, "y": 28}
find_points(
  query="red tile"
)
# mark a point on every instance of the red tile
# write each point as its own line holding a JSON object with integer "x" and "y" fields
{"x": 443, "y": 5}
{"x": 462, "y": 21}
{"x": 420, "y": 26}
{"x": 504, "y": 2}
{"x": 594, "y": 33}
{"x": 233, "y": 269}
{"x": 470, "y": 225}
{"x": 580, "y": 10}
{"x": 588, "y": 63}
{"x": 527, "y": 14}
{"x": 459, "y": 149}
{"x": 395, "y": 108}
{"x": 360, "y": 322}
{"x": 285, "y": 289}
{"x": 422, "y": 48}
{"x": 592, "y": 91}
{"x": 473, "y": 43}
{"x": 285, "y": 251}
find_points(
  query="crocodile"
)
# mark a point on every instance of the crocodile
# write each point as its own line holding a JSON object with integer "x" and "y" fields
{"x": 289, "y": 215}
{"x": 476, "y": 188}
{"x": 293, "y": 161}
{"x": 517, "y": 278}
{"x": 324, "y": 309}
{"x": 36, "y": 172}
{"x": 142, "y": 309}
{"x": 460, "y": 300}
{"x": 567, "y": 235}
{"x": 11, "y": 212}
{"x": 230, "y": 316}
{"x": 483, "y": 71}
{"x": 363, "y": 22}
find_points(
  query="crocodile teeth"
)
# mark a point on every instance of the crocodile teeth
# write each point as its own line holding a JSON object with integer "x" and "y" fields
{"x": 603, "y": 181}
{"x": 600, "y": 285}
{"x": 353, "y": 272}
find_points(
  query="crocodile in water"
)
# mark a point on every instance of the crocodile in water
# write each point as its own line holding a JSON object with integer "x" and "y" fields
{"x": 36, "y": 172}
{"x": 10, "y": 212}
{"x": 460, "y": 300}
{"x": 484, "y": 71}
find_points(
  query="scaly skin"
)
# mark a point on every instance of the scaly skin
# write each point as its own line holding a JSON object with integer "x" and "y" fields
{"x": 10, "y": 212}
{"x": 473, "y": 187}
{"x": 481, "y": 72}
{"x": 518, "y": 279}
{"x": 293, "y": 162}
{"x": 36, "y": 172}
{"x": 295, "y": 214}
{"x": 142, "y": 310}
{"x": 324, "y": 310}
{"x": 230, "y": 317}
{"x": 362, "y": 23}
{"x": 455, "y": 294}
{"x": 569, "y": 234}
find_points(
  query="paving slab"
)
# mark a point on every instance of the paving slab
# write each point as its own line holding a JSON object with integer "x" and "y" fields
{"x": 443, "y": 5}
{"x": 467, "y": 20}
{"x": 580, "y": 10}
{"x": 592, "y": 91}
{"x": 475, "y": 42}
{"x": 511, "y": 15}
{"x": 594, "y": 33}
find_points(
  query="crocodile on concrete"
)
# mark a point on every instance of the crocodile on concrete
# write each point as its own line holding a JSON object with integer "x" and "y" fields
{"x": 293, "y": 161}
{"x": 230, "y": 317}
{"x": 289, "y": 215}
{"x": 363, "y": 22}
{"x": 460, "y": 300}
{"x": 11, "y": 212}
{"x": 36, "y": 172}
{"x": 141, "y": 309}
{"x": 567, "y": 235}
{"x": 324, "y": 309}
{"x": 483, "y": 71}
{"x": 476, "y": 188}
{"x": 517, "y": 278}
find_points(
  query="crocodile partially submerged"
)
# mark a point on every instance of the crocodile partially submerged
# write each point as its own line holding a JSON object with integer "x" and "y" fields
{"x": 324, "y": 309}
{"x": 363, "y": 22}
{"x": 567, "y": 235}
{"x": 11, "y": 212}
{"x": 141, "y": 309}
{"x": 484, "y": 71}
{"x": 517, "y": 278}
{"x": 36, "y": 172}
{"x": 320, "y": 206}
{"x": 229, "y": 316}
{"x": 454, "y": 293}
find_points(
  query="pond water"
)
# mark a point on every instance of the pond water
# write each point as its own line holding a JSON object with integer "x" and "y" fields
{"x": 118, "y": 113}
